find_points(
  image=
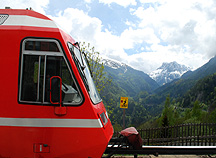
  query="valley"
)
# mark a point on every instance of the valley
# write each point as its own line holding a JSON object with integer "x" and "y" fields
{"x": 147, "y": 97}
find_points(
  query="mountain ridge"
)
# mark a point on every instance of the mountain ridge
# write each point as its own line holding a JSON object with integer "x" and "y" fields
{"x": 167, "y": 72}
{"x": 179, "y": 86}
{"x": 147, "y": 101}
{"x": 133, "y": 81}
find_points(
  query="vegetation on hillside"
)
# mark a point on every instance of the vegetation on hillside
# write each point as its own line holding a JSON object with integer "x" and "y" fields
{"x": 96, "y": 66}
{"x": 198, "y": 105}
{"x": 190, "y": 99}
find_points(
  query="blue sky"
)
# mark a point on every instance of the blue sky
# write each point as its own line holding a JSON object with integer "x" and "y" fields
{"x": 140, "y": 33}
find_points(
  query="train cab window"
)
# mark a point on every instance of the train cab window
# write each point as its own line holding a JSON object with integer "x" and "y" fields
{"x": 40, "y": 60}
{"x": 84, "y": 71}
{"x": 41, "y": 46}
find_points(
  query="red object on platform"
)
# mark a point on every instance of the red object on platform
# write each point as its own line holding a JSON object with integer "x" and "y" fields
{"x": 128, "y": 131}
{"x": 133, "y": 137}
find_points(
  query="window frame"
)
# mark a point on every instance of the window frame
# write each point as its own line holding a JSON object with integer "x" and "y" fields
{"x": 86, "y": 80}
{"x": 46, "y": 54}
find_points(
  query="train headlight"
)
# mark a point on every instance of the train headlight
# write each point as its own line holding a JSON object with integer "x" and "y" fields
{"x": 103, "y": 118}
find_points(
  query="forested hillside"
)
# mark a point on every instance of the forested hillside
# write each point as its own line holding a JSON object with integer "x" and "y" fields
{"x": 127, "y": 82}
{"x": 194, "y": 90}
{"x": 129, "y": 79}
{"x": 203, "y": 91}
{"x": 198, "y": 105}
{"x": 178, "y": 87}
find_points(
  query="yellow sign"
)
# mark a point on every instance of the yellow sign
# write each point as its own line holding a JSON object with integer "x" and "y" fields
{"x": 124, "y": 102}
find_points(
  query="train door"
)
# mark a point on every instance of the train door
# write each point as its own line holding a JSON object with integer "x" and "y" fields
{"x": 41, "y": 59}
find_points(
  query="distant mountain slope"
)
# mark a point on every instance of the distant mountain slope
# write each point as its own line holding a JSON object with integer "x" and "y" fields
{"x": 129, "y": 79}
{"x": 204, "y": 91}
{"x": 207, "y": 69}
{"x": 178, "y": 87}
{"x": 146, "y": 98}
{"x": 168, "y": 72}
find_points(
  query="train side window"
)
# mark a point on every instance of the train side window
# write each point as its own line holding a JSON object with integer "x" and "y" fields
{"x": 30, "y": 77}
{"x": 39, "y": 62}
{"x": 56, "y": 66}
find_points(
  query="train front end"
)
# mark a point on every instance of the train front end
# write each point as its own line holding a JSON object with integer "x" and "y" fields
{"x": 50, "y": 105}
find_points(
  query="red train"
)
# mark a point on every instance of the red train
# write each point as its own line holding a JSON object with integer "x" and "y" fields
{"x": 50, "y": 107}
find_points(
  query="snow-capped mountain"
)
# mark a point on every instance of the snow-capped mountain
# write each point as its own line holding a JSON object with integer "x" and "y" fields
{"x": 127, "y": 80}
{"x": 168, "y": 72}
{"x": 114, "y": 64}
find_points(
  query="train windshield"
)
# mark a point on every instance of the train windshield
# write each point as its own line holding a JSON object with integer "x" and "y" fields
{"x": 42, "y": 59}
{"x": 85, "y": 73}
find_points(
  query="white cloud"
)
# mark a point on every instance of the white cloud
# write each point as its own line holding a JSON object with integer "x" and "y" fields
{"x": 166, "y": 30}
{"x": 89, "y": 29}
{"x": 88, "y": 1}
{"x": 149, "y": 1}
{"x": 124, "y": 3}
{"x": 37, "y": 5}
{"x": 130, "y": 23}
{"x": 84, "y": 28}
{"x": 186, "y": 28}
{"x": 76, "y": 22}
{"x": 175, "y": 20}
{"x": 148, "y": 61}
{"x": 131, "y": 37}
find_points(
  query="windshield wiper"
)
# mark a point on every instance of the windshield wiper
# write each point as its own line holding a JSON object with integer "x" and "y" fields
{"x": 83, "y": 65}
{"x": 80, "y": 69}
{"x": 87, "y": 61}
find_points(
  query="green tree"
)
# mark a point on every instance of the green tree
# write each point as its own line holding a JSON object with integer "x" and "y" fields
{"x": 170, "y": 114}
{"x": 165, "y": 118}
{"x": 96, "y": 66}
{"x": 187, "y": 114}
{"x": 196, "y": 115}
{"x": 196, "y": 111}
{"x": 212, "y": 116}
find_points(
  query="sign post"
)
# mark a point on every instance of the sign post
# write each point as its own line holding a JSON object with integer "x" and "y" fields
{"x": 124, "y": 105}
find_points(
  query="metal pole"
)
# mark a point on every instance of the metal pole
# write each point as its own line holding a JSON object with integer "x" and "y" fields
{"x": 123, "y": 119}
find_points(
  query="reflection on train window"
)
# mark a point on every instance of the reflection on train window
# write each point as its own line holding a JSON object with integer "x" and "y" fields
{"x": 29, "y": 79}
{"x": 56, "y": 66}
{"x": 36, "y": 71}
{"x": 41, "y": 46}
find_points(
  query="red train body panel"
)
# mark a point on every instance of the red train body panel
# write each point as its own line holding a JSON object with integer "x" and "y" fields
{"x": 33, "y": 49}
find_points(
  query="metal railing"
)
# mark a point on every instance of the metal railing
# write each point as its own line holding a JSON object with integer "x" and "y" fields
{"x": 203, "y": 134}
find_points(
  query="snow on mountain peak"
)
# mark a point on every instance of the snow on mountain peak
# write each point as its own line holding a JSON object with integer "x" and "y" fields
{"x": 114, "y": 64}
{"x": 168, "y": 72}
